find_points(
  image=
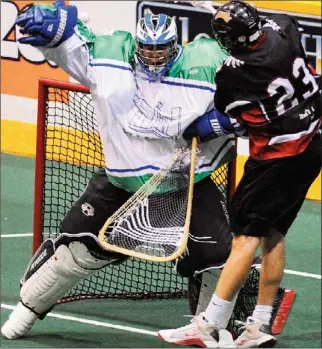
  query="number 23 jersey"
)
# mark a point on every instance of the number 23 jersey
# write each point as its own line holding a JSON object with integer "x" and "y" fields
{"x": 272, "y": 89}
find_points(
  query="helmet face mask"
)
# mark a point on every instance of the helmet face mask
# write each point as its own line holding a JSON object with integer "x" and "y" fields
{"x": 221, "y": 34}
{"x": 156, "y": 57}
{"x": 236, "y": 26}
{"x": 157, "y": 43}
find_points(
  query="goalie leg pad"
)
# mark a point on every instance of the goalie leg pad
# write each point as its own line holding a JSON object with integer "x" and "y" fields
{"x": 55, "y": 268}
{"x": 44, "y": 252}
{"x": 209, "y": 280}
{"x": 19, "y": 323}
{"x": 62, "y": 271}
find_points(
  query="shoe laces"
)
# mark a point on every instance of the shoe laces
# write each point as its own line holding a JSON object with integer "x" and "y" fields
{"x": 241, "y": 324}
{"x": 193, "y": 319}
{"x": 186, "y": 327}
{"x": 241, "y": 327}
{"x": 198, "y": 320}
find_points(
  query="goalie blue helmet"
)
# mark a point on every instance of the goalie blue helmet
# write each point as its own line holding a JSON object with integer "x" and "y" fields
{"x": 157, "y": 43}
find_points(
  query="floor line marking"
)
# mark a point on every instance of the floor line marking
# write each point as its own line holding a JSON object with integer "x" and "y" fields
{"x": 91, "y": 322}
{"x": 16, "y": 235}
{"x": 304, "y": 274}
{"x": 300, "y": 273}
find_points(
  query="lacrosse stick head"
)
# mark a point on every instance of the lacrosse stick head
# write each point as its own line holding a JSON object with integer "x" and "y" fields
{"x": 154, "y": 223}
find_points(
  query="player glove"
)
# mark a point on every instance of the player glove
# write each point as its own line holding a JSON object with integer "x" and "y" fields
{"x": 47, "y": 26}
{"x": 213, "y": 125}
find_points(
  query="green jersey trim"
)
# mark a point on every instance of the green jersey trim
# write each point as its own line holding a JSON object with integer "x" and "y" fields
{"x": 132, "y": 184}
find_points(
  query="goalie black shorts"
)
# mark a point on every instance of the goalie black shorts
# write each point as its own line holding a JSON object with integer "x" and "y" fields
{"x": 210, "y": 236}
{"x": 271, "y": 192}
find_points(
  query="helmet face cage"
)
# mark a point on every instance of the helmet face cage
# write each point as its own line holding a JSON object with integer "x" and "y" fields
{"x": 156, "y": 57}
{"x": 157, "y": 43}
{"x": 221, "y": 34}
{"x": 236, "y": 25}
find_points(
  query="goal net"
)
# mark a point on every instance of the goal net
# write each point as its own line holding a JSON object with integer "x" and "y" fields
{"x": 68, "y": 153}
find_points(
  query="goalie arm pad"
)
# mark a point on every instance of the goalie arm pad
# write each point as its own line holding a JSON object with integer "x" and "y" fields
{"x": 213, "y": 124}
{"x": 47, "y": 26}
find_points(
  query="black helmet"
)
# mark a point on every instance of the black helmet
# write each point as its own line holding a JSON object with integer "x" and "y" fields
{"x": 236, "y": 25}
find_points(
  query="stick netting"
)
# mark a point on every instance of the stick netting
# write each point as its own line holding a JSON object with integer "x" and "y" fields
{"x": 153, "y": 221}
{"x": 72, "y": 153}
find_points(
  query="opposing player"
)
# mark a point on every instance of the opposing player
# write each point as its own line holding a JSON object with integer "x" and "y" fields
{"x": 146, "y": 91}
{"x": 268, "y": 85}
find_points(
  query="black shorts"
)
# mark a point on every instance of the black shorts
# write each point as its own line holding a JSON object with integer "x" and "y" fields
{"x": 210, "y": 237}
{"x": 271, "y": 192}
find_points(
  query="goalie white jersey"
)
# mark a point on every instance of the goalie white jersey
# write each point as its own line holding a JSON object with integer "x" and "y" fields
{"x": 141, "y": 122}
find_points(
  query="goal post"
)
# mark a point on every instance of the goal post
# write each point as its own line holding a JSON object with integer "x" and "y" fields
{"x": 68, "y": 152}
{"x": 43, "y": 88}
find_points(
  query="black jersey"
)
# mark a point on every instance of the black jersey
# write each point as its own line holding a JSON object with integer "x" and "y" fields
{"x": 271, "y": 88}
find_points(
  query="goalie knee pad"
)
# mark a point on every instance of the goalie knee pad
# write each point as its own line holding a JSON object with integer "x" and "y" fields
{"x": 53, "y": 271}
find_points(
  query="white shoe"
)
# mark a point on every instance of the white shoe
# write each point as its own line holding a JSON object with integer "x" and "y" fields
{"x": 256, "y": 335}
{"x": 19, "y": 323}
{"x": 199, "y": 332}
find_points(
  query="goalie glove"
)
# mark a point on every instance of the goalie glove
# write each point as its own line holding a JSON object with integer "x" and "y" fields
{"x": 213, "y": 125}
{"x": 47, "y": 26}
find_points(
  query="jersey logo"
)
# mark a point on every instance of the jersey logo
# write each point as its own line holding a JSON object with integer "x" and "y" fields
{"x": 307, "y": 112}
{"x": 38, "y": 260}
{"x": 272, "y": 24}
{"x": 154, "y": 122}
{"x": 194, "y": 71}
{"x": 88, "y": 210}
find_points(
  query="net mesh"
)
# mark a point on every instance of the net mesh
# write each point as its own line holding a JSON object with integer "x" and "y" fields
{"x": 72, "y": 153}
{"x": 247, "y": 300}
{"x": 245, "y": 303}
